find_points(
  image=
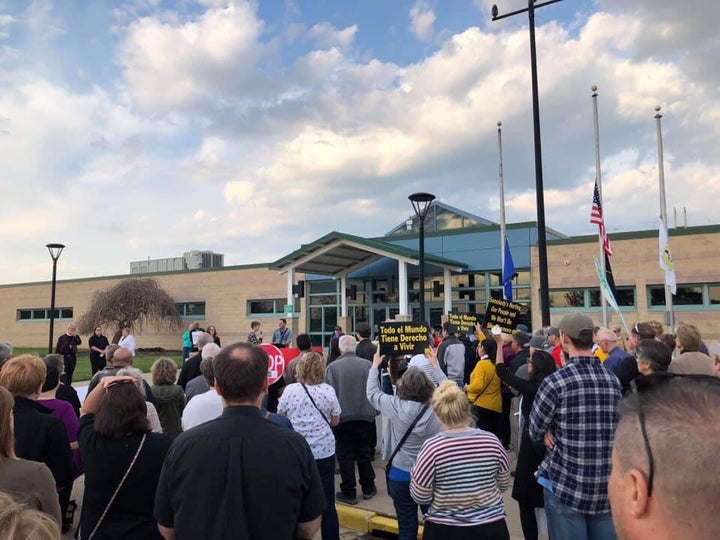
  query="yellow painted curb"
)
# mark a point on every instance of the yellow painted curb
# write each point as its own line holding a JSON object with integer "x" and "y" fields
{"x": 367, "y": 521}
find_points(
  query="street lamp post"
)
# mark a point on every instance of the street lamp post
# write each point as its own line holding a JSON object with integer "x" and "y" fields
{"x": 421, "y": 204}
{"x": 539, "y": 193}
{"x": 55, "y": 251}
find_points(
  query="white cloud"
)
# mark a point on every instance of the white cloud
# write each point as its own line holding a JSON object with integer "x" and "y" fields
{"x": 325, "y": 35}
{"x": 177, "y": 65}
{"x": 422, "y": 19}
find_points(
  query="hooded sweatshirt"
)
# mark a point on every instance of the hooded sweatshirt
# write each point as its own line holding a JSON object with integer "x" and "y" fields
{"x": 169, "y": 402}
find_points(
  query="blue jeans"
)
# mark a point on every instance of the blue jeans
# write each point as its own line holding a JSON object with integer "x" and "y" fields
{"x": 405, "y": 508}
{"x": 330, "y": 527}
{"x": 186, "y": 353}
{"x": 565, "y": 523}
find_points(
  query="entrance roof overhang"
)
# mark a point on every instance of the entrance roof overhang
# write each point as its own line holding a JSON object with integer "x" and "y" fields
{"x": 337, "y": 254}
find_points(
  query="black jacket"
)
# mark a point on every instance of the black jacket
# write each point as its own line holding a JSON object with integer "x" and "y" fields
{"x": 365, "y": 349}
{"x": 40, "y": 436}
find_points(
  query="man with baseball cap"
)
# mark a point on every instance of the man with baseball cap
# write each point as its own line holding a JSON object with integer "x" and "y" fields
{"x": 575, "y": 414}
{"x": 553, "y": 336}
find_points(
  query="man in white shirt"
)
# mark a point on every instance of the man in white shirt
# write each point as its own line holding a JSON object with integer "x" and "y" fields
{"x": 206, "y": 406}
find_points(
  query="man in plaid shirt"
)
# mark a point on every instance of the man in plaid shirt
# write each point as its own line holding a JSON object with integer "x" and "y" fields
{"x": 575, "y": 414}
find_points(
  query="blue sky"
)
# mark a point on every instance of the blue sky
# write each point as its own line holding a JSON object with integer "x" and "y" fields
{"x": 145, "y": 128}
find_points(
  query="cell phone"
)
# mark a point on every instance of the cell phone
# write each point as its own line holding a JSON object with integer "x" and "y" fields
{"x": 496, "y": 330}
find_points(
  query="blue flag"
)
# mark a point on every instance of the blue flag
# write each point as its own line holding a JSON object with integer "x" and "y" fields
{"x": 508, "y": 272}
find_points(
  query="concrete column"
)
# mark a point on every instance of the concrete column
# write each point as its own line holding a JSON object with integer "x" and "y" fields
{"x": 403, "y": 288}
{"x": 290, "y": 283}
{"x": 448, "y": 291}
{"x": 343, "y": 297}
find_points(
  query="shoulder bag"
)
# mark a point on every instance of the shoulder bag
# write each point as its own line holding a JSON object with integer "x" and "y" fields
{"x": 315, "y": 405}
{"x": 117, "y": 490}
{"x": 402, "y": 441}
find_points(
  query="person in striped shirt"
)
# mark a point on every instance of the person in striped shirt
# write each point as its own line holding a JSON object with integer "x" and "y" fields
{"x": 461, "y": 474}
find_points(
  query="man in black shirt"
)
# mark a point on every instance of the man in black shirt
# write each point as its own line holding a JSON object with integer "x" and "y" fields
{"x": 365, "y": 348}
{"x": 239, "y": 476}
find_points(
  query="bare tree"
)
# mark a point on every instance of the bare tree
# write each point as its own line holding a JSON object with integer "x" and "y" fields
{"x": 134, "y": 303}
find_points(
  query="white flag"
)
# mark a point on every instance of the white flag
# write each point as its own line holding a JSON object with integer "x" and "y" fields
{"x": 666, "y": 262}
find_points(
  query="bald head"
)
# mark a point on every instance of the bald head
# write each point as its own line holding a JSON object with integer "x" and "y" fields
{"x": 122, "y": 357}
{"x": 684, "y": 443}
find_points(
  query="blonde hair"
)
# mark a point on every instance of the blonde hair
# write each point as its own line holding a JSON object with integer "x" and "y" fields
{"x": 310, "y": 369}
{"x": 23, "y": 375}
{"x": 450, "y": 404}
{"x": 18, "y": 522}
{"x": 7, "y": 439}
{"x": 164, "y": 371}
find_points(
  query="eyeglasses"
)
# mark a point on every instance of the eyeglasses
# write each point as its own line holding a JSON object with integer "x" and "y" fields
{"x": 646, "y": 383}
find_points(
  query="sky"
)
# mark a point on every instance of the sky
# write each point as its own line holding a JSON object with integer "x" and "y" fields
{"x": 146, "y": 128}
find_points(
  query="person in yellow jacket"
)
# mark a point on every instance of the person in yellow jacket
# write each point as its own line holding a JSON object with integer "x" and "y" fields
{"x": 483, "y": 390}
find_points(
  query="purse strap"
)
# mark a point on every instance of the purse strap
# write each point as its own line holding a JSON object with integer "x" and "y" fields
{"x": 483, "y": 390}
{"x": 315, "y": 404}
{"x": 405, "y": 436}
{"x": 120, "y": 485}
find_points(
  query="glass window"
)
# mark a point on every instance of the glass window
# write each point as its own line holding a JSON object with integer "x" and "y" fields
{"x": 625, "y": 297}
{"x": 315, "y": 319}
{"x": 323, "y": 287}
{"x": 522, "y": 278}
{"x": 567, "y": 298}
{"x": 327, "y": 299}
{"x": 714, "y": 294}
{"x": 257, "y": 307}
{"x": 43, "y": 314}
{"x": 686, "y": 296}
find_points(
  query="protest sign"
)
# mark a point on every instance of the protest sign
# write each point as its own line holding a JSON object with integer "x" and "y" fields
{"x": 502, "y": 313}
{"x": 463, "y": 322}
{"x": 402, "y": 338}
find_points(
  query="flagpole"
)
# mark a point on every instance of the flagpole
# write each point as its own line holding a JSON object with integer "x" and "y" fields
{"x": 669, "y": 315}
{"x": 501, "y": 190}
{"x": 598, "y": 176}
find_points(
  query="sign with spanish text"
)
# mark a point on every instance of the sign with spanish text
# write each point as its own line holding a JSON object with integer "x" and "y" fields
{"x": 403, "y": 338}
{"x": 464, "y": 322}
{"x": 502, "y": 313}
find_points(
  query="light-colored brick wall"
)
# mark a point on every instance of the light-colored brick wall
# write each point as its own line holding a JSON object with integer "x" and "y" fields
{"x": 225, "y": 293}
{"x": 635, "y": 262}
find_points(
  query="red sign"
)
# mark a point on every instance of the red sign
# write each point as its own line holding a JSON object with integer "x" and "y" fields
{"x": 276, "y": 362}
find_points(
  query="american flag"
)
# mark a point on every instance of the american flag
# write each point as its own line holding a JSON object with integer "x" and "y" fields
{"x": 596, "y": 217}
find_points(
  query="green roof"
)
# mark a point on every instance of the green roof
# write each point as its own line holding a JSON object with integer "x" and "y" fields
{"x": 633, "y": 235}
{"x": 337, "y": 253}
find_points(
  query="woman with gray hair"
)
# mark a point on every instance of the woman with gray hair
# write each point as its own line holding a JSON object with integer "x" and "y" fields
{"x": 411, "y": 422}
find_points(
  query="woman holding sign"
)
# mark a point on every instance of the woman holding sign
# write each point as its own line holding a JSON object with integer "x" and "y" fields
{"x": 411, "y": 422}
{"x": 483, "y": 390}
{"x": 526, "y": 491}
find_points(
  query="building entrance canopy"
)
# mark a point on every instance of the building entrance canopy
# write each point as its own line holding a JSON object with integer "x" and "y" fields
{"x": 339, "y": 254}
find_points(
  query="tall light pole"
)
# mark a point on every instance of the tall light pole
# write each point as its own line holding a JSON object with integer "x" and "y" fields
{"x": 539, "y": 193}
{"x": 55, "y": 251}
{"x": 421, "y": 204}
{"x": 669, "y": 313}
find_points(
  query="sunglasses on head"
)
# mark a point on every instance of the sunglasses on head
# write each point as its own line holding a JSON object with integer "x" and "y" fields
{"x": 650, "y": 383}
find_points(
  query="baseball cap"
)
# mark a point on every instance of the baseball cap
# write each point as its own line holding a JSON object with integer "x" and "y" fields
{"x": 574, "y": 323}
{"x": 539, "y": 342}
{"x": 552, "y": 331}
{"x": 521, "y": 338}
{"x": 522, "y": 328}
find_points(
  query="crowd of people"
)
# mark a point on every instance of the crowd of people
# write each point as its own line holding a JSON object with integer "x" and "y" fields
{"x": 615, "y": 437}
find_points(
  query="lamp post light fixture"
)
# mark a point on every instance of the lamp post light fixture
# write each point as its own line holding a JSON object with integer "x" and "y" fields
{"x": 539, "y": 193}
{"x": 421, "y": 204}
{"x": 55, "y": 251}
